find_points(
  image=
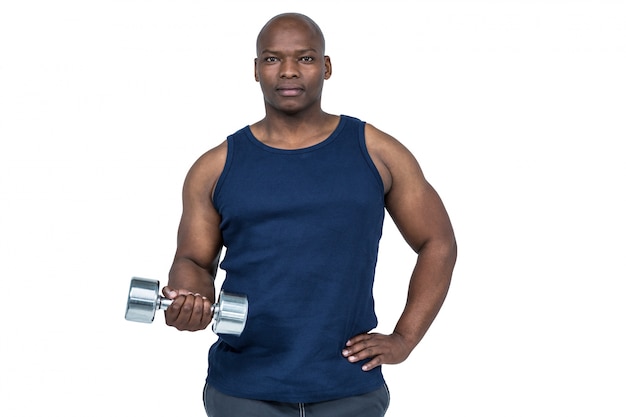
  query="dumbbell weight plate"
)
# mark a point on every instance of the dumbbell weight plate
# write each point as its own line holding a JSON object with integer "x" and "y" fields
{"x": 230, "y": 314}
{"x": 144, "y": 300}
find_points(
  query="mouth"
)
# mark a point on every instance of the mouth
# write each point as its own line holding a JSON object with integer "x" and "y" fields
{"x": 289, "y": 91}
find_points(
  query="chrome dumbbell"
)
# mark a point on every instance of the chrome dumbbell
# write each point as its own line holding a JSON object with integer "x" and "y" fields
{"x": 229, "y": 312}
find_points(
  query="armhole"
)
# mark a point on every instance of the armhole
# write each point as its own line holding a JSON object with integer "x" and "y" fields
{"x": 368, "y": 158}
{"x": 230, "y": 149}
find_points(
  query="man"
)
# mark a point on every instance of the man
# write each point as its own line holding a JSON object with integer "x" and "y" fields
{"x": 298, "y": 200}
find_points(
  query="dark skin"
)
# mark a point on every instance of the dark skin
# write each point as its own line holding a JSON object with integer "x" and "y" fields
{"x": 291, "y": 68}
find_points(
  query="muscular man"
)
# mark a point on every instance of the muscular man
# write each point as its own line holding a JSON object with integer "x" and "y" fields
{"x": 298, "y": 200}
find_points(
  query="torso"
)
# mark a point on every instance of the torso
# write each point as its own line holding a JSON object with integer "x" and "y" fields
{"x": 293, "y": 220}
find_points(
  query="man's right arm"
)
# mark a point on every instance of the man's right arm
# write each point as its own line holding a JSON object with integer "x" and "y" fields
{"x": 199, "y": 244}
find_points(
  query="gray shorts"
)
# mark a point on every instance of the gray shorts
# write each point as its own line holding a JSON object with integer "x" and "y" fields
{"x": 373, "y": 404}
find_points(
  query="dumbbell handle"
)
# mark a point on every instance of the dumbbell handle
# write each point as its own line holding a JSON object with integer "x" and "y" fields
{"x": 162, "y": 303}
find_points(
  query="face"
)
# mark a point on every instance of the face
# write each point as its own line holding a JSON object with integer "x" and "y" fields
{"x": 291, "y": 66}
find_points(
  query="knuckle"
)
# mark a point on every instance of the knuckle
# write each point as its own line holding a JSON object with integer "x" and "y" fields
{"x": 187, "y": 308}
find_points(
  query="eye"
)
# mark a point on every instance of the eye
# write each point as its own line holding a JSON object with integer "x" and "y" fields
{"x": 271, "y": 59}
{"x": 307, "y": 59}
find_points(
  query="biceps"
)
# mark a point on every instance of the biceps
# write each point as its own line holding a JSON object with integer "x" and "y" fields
{"x": 418, "y": 211}
{"x": 199, "y": 236}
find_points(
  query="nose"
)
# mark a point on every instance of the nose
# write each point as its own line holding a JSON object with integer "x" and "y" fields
{"x": 289, "y": 69}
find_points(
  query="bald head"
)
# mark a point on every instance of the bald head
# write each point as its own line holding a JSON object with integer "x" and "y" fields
{"x": 287, "y": 21}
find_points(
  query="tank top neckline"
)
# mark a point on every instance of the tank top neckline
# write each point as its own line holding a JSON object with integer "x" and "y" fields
{"x": 334, "y": 134}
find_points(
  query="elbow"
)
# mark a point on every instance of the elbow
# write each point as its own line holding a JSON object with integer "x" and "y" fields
{"x": 443, "y": 249}
{"x": 452, "y": 250}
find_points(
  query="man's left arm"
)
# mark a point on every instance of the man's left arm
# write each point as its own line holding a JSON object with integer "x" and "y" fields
{"x": 423, "y": 221}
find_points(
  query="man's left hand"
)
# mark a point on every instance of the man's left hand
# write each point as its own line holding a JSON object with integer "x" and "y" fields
{"x": 380, "y": 348}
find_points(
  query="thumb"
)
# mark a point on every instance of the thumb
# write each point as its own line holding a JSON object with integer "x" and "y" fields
{"x": 170, "y": 292}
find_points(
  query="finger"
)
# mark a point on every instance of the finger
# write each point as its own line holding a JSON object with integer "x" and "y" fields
{"x": 359, "y": 343}
{"x": 194, "y": 306}
{"x": 375, "y": 362}
{"x": 201, "y": 314}
{"x": 207, "y": 314}
{"x": 358, "y": 338}
{"x": 195, "y": 317}
{"x": 181, "y": 311}
{"x": 173, "y": 311}
{"x": 362, "y": 350}
{"x": 375, "y": 353}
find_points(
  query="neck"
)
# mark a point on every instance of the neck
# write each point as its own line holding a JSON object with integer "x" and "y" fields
{"x": 293, "y": 131}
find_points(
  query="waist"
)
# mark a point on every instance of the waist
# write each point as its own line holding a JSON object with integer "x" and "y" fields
{"x": 290, "y": 375}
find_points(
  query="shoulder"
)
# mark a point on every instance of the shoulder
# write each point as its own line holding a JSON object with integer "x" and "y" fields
{"x": 393, "y": 160}
{"x": 383, "y": 144}
{"x": 206, "y": 170}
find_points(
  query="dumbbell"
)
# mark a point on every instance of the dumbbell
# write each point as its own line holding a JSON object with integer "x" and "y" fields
{"x": 229, "y": 313}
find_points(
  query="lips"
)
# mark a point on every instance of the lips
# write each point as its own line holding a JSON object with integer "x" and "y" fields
{"x": 289, "y": 90}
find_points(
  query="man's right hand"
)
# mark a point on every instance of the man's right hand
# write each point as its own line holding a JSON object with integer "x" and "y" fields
{"x": 189, "y": 311}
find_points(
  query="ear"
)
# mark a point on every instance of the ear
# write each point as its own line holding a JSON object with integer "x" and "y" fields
{"x": 328, "y": 67}
{"x": 256, "y": 74}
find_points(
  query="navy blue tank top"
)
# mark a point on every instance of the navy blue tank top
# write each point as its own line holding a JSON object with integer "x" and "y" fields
{"x": 301, "y": 230}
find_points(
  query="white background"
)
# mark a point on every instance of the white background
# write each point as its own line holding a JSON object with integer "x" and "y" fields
{"x": 515, "y": 110}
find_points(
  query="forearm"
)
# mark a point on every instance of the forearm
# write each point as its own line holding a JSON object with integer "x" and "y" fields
{"x": 189, "y": 275}
{"x": 428, "y": 288}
